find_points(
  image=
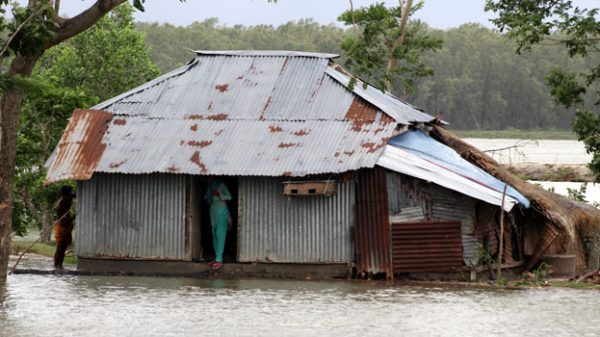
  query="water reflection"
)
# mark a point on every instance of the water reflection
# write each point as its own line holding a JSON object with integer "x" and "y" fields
{"x": 137, "y": 306}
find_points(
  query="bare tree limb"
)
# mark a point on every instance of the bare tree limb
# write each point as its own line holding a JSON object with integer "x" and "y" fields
{"x": 83, "y": 20}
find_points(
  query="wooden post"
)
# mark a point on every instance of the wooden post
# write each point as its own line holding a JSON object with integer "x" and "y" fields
{"x": 501, "y": 244}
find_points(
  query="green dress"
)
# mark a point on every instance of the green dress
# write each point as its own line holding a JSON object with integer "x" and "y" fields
{"x": 216, "y": 195}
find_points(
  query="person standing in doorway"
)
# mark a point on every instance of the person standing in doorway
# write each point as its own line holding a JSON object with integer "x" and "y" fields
{"x": 217, "y": 196}
{"x": 63, "y": 225}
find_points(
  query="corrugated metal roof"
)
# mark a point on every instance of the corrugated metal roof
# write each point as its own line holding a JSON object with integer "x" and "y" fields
{"x": 133, "y": 144}
{"x": 402, "y": 161}
{"x": 237, "y": 113}
{"x": 257, "y": 85}
{"x": 400, "y": 111}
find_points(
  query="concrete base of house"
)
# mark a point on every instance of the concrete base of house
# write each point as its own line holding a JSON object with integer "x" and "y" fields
{"x": 201, "y": 269}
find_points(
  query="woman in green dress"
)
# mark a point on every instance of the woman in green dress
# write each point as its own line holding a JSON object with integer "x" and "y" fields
{"x": 217, "y": 196}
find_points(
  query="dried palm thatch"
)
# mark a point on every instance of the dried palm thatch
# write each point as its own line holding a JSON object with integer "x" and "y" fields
{"x": 566, "y": 219}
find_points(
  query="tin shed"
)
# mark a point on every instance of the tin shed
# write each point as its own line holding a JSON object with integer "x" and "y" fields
{"x": 321, "y": 172}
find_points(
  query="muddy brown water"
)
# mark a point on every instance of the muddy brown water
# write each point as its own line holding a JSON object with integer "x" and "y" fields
{"x": 37, "y": 305}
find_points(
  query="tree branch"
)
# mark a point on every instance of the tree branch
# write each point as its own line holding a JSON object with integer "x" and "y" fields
{"x": 19, "y": 27}
{"x": 392, "y": 61}
{"x": 83, "y": 20}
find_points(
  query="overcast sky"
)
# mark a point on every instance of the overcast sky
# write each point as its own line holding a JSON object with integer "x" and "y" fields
{"x": 437, "y": 13}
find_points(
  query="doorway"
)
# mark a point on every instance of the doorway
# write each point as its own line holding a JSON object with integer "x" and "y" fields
{"x": 206, "y": 240}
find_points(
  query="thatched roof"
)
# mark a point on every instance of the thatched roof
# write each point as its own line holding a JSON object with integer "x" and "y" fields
{"x": 568, "y": 217}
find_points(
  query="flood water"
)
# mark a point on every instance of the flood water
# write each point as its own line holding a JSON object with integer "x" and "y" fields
{"x": 531, "y": 151}
{"x": 35, "y": 305}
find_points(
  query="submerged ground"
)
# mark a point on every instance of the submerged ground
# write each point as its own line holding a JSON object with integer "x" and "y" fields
{"x": 36, "y": 305}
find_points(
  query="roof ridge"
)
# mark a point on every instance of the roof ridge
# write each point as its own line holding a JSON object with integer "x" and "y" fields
{"x": 276, "y": 53}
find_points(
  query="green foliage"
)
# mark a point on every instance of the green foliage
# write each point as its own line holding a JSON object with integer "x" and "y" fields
{"x": 377, "y": 54}
{"x": 31, "y": 28}
{"x": 587, "y": 127}
{"x": 577, "y": 194}
{"x": 107, "y": 59}
{"x": 565, "y": 88}
{"x": 577, "y": 30}
{"x": 169, "y": 44}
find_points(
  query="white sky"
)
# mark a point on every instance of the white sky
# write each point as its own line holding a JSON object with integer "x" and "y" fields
{"x": 437, "y": 13}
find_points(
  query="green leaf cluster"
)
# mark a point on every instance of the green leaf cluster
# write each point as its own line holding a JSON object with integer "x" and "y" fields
{"x": 375, "y": 53}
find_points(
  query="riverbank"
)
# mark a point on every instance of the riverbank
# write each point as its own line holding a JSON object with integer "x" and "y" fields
{"x": 35, "y": 264}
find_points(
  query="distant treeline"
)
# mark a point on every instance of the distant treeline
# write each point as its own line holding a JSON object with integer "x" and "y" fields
{"x": 480, "y": 83}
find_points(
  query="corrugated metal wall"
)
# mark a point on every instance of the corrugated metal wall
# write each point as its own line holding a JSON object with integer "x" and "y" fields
{"x": 413, "y": 200}
{"x": 132, "y": 216}
{"x": 372, "y": 237}
{"x": 433, "y": 246}
{"x": 277, "y": 228}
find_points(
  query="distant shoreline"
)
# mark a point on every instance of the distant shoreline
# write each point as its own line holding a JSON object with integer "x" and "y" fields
{"x": 518, "y": 134}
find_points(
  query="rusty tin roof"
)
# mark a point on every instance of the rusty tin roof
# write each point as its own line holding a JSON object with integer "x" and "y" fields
{"x": 235, "y": 113}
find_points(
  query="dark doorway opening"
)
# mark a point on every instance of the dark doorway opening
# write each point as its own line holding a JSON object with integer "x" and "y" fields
{"x": 206, "y": 239}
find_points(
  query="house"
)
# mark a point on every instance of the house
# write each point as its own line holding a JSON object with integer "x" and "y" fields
{"x": 325, "y": 175}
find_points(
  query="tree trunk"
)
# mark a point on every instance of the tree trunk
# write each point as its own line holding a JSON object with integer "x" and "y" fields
{"x": 47, "y": 224}
{"x": 9, "y": 123}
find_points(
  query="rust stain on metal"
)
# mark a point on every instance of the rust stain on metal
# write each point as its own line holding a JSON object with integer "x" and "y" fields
{"x": 194, "y": 117}
{"x": 372, "y": 233}
{"x": 349, "y": 153}
{"x": 218, "y": 117}
{"x": 120, "y": 121}
{"x": 198, "y": 161}
{"x": 241, "y": 77}
{"x": 287, "y": 174}
{"x": 302, "y": 132}
{"x": 222, "y": 87}
{"x": 83, "y": 155}
{"x": 275, "y": 128}
{"x": 361, "y": 113}
{"x": 286, "y": 145}
{"x": 337, "y": 154}
{"x": 210, "y": 106}
{"x": 319, "y": 83}
{"x": 181, "y": 142}
{"x": 373, "y": 147}
{"x": 200, "y": 144}
{"x": 115, "y": 165}
{"x": 285, "y": 62}
{"x": 266, "y": 106}
{"x": 194, "y": 127}
{"x": 378, "y": 130}
{"x": 173, "y": 169}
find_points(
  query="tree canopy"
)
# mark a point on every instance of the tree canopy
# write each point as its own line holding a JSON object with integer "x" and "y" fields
{"x": 387, "y": 47}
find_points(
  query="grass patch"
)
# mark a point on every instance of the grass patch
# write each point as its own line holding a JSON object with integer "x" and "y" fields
{"x": 518, "y": 134}
{"x": 573, "y": 285}
{"x": 44, "y": 249}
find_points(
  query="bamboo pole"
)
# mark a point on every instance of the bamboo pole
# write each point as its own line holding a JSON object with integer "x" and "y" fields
{"x": 501, "y": 245}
